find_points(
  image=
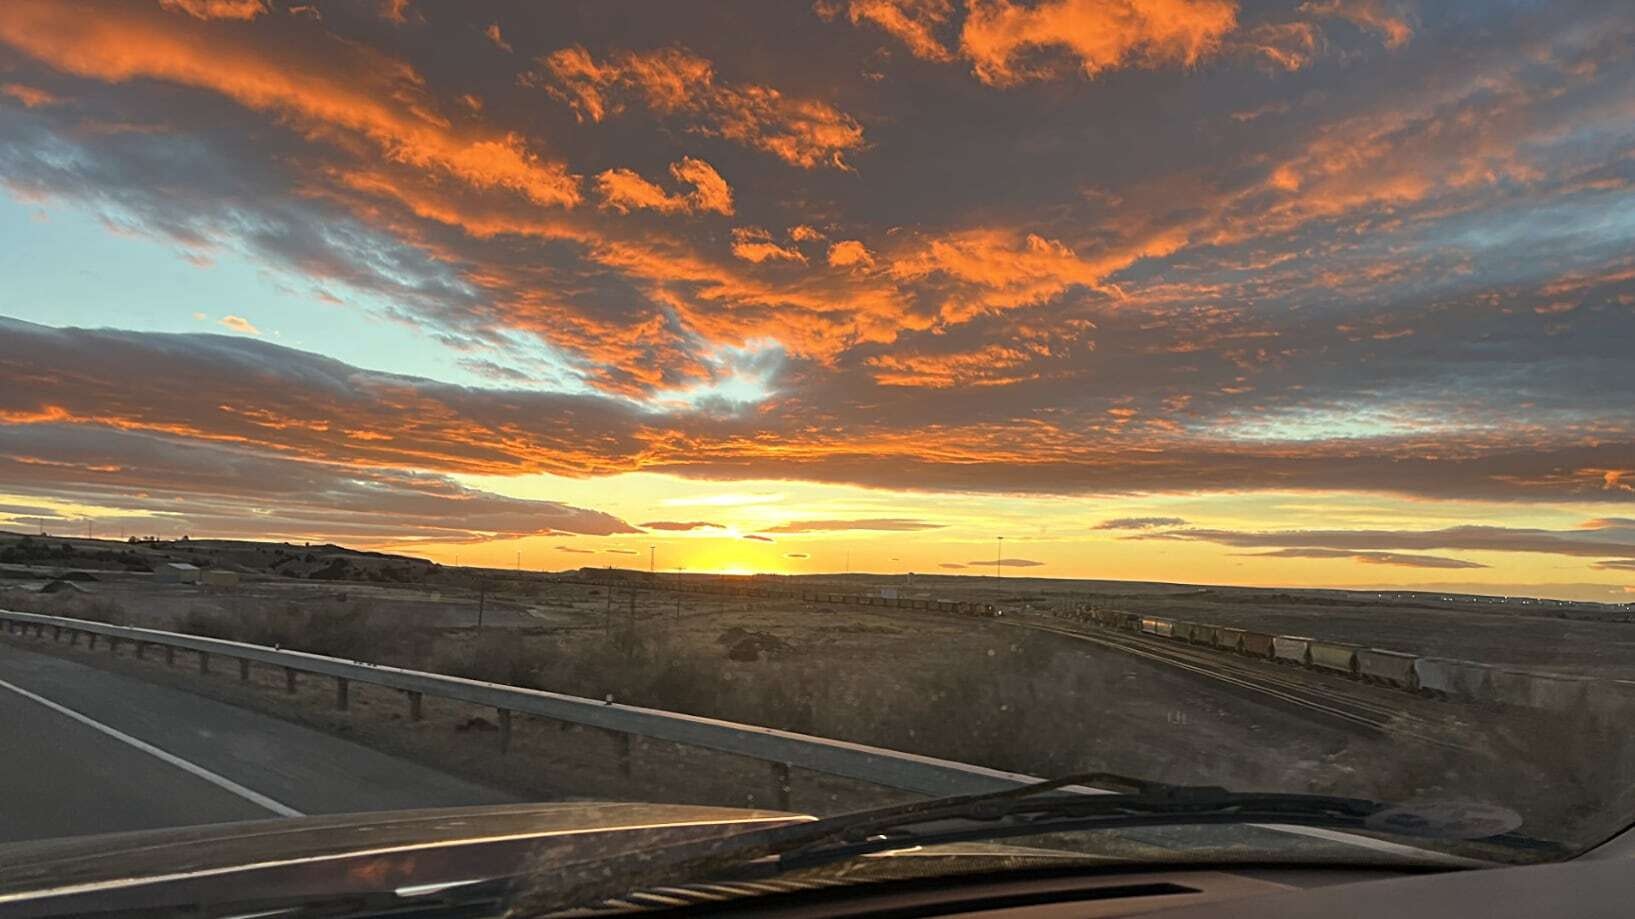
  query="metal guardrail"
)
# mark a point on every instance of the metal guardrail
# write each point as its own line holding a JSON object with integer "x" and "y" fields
{"x": 782, "y": 749}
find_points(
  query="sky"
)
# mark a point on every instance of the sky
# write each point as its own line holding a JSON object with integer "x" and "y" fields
{"x": 1300, "y": 293}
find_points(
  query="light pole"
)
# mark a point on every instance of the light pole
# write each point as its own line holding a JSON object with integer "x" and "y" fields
{"x": 650, "y": 561}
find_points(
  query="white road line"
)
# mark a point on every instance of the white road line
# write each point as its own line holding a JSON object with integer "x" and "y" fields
{"x": 256, "y": 797}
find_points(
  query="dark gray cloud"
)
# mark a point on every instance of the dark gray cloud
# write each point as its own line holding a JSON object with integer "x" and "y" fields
{"x": 172, "y": 485}
{"x": 1006, "y": 562}
{"x": 1602, "y": 542}
{"x": 796, "y": 555}
{"x": 574, "y": 550}
{"x": 1398, "y": 559}
{"x": 757, "y": 537}
{"x": 1140, "y": 523}
{"x": 680, "y": 525}
{"x": 260, "y": 396}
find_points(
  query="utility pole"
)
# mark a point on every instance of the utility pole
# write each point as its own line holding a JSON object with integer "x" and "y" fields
{"x": 482, "y": 601}
{"x": 650, "y": 561}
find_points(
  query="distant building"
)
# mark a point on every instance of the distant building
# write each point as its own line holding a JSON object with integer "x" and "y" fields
{"x": 176, "y": 573}
{"x": 217, "y": 577}
{"x": 888, "y": 593}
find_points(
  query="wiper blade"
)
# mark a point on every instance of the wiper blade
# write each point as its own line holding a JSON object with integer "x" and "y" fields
{"x": 1049, "y": 806}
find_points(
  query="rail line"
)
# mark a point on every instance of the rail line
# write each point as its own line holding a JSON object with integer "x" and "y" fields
{"x": 1375, "y": 716}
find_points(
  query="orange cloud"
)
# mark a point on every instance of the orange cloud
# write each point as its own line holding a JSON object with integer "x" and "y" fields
{"x": 990, "y": 365}
{"x": 753, "y": 244}
{"x": 998, "y": 269}
{"x": 394, "y": 11}
{"x": 623, "y": 190}
{"x": 710, "y": 191}
{"x": 494, "y": 35}
{"x": 802, "y": 233}
{"x": 909, "y": 21}
{"x": 1374, "y": 15}
{"x": 239, "y": 324}
{"x": 849, "y": 253}
{"x": 1003, "y": 39}
{"x": 216, "y": 9}
{"x": 348, "y": 91}
{"x": 30, "y": 96}
{"x": 1289, "y": 45}
{"x": 673, "y": 81}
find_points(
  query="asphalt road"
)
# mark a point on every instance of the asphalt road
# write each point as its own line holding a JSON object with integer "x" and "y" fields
{"x": 87, "y": 751}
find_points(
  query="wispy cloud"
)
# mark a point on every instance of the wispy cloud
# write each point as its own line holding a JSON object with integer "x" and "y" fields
{"x": 872, "y": 523}
{"x": 680, "y": 525}
{"x": 1399, "y": 559}
{"x": 1140, "y": 523}
{"x": 238, "y": 324}
{"x": 676, "y": 82}
{"x": 1604, "y": 541}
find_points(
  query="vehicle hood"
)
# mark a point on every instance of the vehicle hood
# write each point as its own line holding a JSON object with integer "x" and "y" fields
{"x": 336, "y": 855}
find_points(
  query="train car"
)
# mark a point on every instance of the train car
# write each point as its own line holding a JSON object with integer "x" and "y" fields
{"x": 1333, "y": 655}
{"x": 1153, "y": 625}
{"x": 1257, "y": 644}
{"x": 1291, "y": 649}
{"x": 1129, "y": 622}
{"x": 1228, "y": 639}
{"x": 1204, "y": 635}
{"x": 1388, "y": 668}
{"x": 1181, "y": 630}
{"x": 1454, "y": 679}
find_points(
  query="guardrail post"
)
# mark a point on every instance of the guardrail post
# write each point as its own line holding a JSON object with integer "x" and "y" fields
{"x": 56, "y": 633}
{"x": 414, "y": 706}
{"x": 244, "y": 670}
{"x": 505, "y": 730}
{"x": 39, "y": 630}
{"x": 141, "y": 650}
{"x": 73, "y": 637}
{"x": 204, "y": 662}
{"x": 289, "y": 680}
{"x": 113, "y": 645}
{"x": 780, "y": 784}
{"x": 342, "y": 688}
{"x": 170, "y": 655}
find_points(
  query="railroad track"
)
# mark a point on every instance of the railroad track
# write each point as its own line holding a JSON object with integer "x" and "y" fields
{"x": 1294, "y": 689}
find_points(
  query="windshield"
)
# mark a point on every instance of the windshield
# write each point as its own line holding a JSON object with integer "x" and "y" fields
{"x": 808, "y": 408}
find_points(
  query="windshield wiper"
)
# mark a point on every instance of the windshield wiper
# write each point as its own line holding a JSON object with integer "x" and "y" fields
{"x": 1043, "y": 807}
